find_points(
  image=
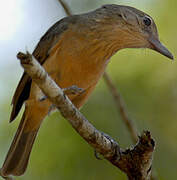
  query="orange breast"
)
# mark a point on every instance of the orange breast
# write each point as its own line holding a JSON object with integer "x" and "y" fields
{"x": 76, "y": 61}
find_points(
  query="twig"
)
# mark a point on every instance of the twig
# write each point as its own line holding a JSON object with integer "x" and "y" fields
{"x": 65, "y": 7}
{"x": 121, "y": 107}
{"x": 135, "y": 162}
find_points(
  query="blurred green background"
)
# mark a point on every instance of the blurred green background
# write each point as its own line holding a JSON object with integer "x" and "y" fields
{"x": 146, "y": 80}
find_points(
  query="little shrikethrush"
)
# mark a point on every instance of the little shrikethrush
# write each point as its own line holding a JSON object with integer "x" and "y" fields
{"x": 75, "y": 51}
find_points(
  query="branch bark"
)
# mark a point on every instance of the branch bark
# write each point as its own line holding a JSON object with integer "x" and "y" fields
{"x": 136, "y": 162}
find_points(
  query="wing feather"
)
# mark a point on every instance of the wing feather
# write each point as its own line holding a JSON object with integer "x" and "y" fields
{"x": 50, "y": 38}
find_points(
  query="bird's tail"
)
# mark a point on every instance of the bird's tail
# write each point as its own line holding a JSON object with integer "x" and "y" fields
{"x": 18, "y": 155}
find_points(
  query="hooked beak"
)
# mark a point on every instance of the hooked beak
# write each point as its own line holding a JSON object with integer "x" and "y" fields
{"x": 157, "y": 46}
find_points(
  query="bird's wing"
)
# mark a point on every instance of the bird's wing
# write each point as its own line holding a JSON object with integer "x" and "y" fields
{"x": 41, "y": 53}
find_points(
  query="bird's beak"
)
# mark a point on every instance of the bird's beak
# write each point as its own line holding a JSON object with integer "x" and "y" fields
{"x": 159, "y": 47}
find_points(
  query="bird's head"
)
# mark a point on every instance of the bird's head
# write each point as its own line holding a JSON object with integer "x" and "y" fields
{"x": 131, "y": 28}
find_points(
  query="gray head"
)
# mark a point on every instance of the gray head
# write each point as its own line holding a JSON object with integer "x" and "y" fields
{"x": 130, "y": 27}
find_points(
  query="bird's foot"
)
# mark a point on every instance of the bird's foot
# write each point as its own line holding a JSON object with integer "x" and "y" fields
{"x": 73, "y": 90}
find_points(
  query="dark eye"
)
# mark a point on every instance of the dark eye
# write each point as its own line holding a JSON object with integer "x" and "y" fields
{"x": 147, "y": 21}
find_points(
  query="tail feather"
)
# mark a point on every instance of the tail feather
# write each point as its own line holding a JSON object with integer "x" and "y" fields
{"x": 18, "y": 155}
{"x": 21, "y": 94}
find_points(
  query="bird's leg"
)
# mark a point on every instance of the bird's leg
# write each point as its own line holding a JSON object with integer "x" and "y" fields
{"x": 72, "y": 90}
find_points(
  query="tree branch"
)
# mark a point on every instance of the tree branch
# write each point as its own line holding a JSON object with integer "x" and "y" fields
{"x": 65, "y": 7}
{"x": 135, "y": 162}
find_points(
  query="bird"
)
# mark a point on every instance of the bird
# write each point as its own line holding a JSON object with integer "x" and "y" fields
{"x": 75, "y": 51}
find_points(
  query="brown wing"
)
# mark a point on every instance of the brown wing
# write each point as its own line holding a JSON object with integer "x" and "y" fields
{"x": 41, "y": 53}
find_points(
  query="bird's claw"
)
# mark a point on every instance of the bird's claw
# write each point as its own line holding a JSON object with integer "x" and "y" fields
{"x": 73, "y": 90}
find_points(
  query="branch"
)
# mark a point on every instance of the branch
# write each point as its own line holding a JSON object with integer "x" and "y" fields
{"x": 135, "y": 162}
{"x": 65, "y": 7}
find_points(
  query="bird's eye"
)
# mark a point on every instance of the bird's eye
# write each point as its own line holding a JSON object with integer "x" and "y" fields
{"x": 147, "y": 21}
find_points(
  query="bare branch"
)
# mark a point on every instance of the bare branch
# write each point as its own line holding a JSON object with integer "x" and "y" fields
{"x": 65, "y": 7}
{"x": 135, "y": 162}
